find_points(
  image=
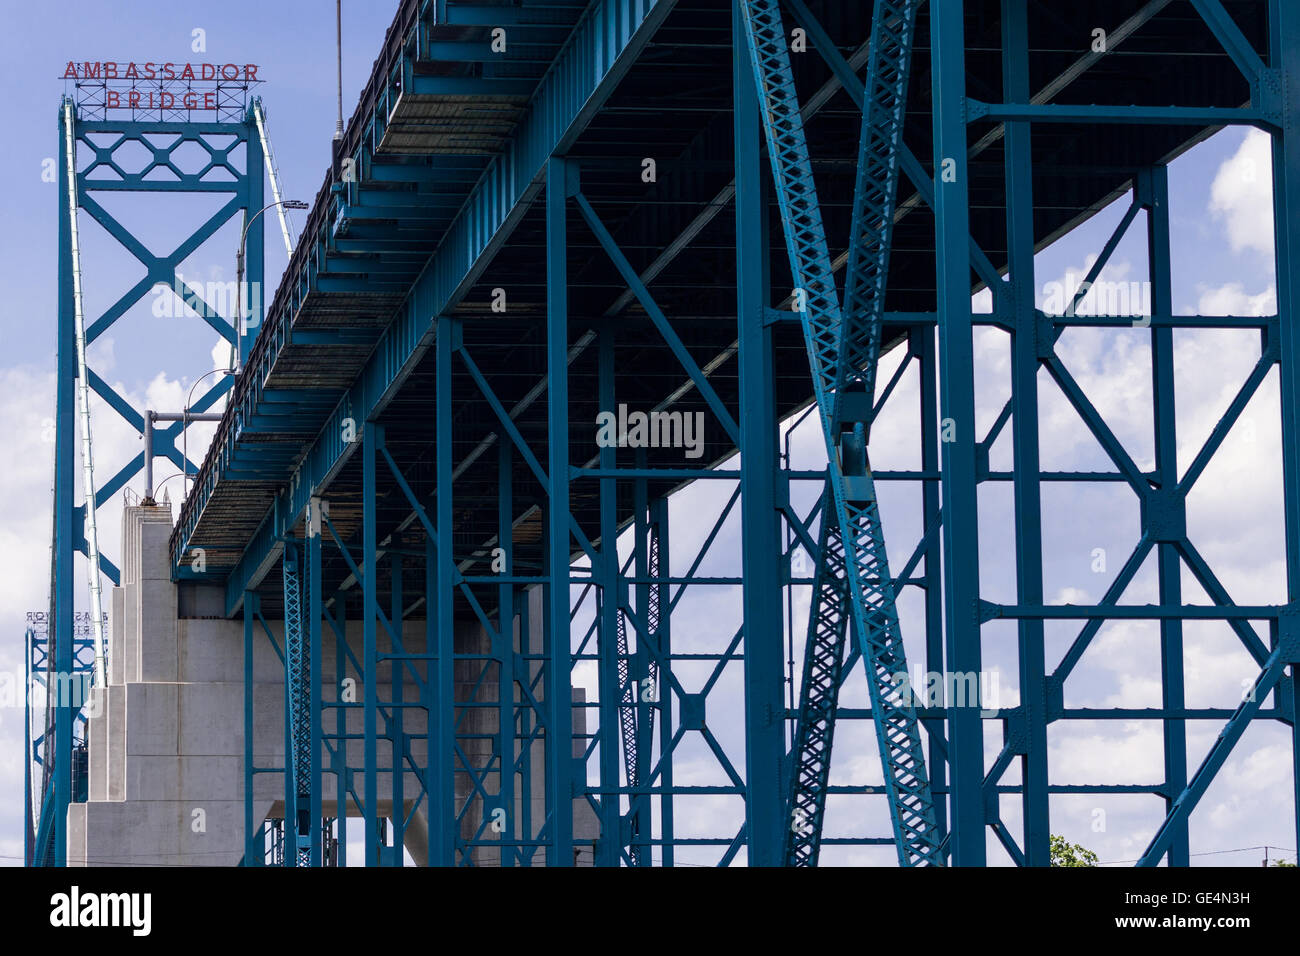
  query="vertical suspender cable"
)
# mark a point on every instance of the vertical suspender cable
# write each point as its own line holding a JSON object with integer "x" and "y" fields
{"x": 83, "y": 400}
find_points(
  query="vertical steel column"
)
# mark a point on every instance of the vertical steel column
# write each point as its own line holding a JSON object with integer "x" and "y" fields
{"x": 297, "y": 756}
{"x": 339, "y": 755}
{"x": 957, "y": 406}
{"x": 254, "y": 853}
{"x": 645, "y": 742}
{"x": 29, "y": 834}
{"x": 610, "y": 841}
{"x": 396, "y": 731}
{"x": 559, "y": 734}
{"x": 255, "y": 246}
{"x": 1153, "y": 187}
{"x": 287, "y": 778}
{"x": 373, "y": 435}
{"x": 312, "y": 633}
{"x": 761, "y": 537}
{"x": 656, "y": 602}
{"x": 506, "y": 651}
{"x": 526, "y": 827}
{"x": 286, "y": 767}
{"x": 1024, "y": 431}
{"x": 59, "y": 635}
{"x": 663, "y": 637}
{"x": 432, "y": 780}
{"x": 1284, "y": 55}
{"x": 924, "y": 344}
{"x": 442, "y": 751}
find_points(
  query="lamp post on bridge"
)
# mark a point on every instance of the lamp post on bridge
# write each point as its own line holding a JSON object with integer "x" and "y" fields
{"x": 239, "y": 272}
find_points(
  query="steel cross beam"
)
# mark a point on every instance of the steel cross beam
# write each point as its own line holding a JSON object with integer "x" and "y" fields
{"x": 871, "y": 598}
{"x": 1161, "y": 492}
{"x": 823, "y": 666}
{"x": 648, "y": 698}
{"x": 1284, "y": 55}
{"x": 854, "y": 361}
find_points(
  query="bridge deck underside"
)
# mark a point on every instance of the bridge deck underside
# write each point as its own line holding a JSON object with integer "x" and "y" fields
{"x": 673, "y": 106}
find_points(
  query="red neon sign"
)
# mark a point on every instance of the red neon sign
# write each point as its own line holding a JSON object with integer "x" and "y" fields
{"x": 162, "y": 86}
{"x": 214, "y": 72}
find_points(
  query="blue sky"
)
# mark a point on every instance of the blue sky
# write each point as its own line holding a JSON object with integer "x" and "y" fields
{"x": 294, "y": 41}
{"x": 1222, "y": 263}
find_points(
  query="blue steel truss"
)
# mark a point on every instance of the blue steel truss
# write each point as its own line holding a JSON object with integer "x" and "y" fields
{"x": 638, "y": 685}
{"x": 466, "y": 707}
{"x": 100, "y": 169}
{"x": 842, "y": 352}
{"x": 302, "y": 714}
{"x": 39, "y": 817}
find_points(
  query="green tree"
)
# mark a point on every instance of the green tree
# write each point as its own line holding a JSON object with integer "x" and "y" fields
{"x": 1282, "y": 863}
{"x": 1065, "y": 853}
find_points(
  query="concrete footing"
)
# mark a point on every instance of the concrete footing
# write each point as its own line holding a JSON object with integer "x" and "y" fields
{"x": 166, "y": 735}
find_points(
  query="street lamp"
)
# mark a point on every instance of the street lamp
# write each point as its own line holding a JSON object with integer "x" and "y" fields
{"x": 239, "y": 270}
{"x": 184, "y": 417}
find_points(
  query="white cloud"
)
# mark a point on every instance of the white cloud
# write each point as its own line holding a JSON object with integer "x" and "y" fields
{"x": 1242, "y": 195}
{"x": 27, "y": 419}
{"x": 1232, "y": 299}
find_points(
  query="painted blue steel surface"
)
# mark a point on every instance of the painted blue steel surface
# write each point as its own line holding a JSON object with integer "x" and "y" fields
{"x": 603, "y": 46}
{"x": 244, "y": 184}
{"x": 953, "y": 748}
{"x": 945, "y": 803}
{"x": 957, "y": 405}
{"x": 839, "y": 350}
{"x": 1028, "y": 491}
{"x": 855, "y": 358}
{"x": 1170, "y": 840}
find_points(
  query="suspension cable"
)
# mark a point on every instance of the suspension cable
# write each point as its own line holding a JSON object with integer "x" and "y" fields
{"x": 83, "y": 399}
{"x": 273, "y": 171}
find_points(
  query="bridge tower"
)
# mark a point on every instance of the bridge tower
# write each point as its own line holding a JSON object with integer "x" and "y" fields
{"x": 117, "y": 136}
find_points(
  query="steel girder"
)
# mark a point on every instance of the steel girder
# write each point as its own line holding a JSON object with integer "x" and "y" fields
{"x": 302, "y": 670}
{"x": 842, "y": 354}
{"x": 1161, "y": 491}
{"x": 603, "y": 46}
{"x": 297, "y": 696}
{"x": 975, "y": 794}
{"x": 1270, "y": 85}
{"x": 638, "y": 683}
{"x": 854, "y": 360}
{"x": 823, "y": 667}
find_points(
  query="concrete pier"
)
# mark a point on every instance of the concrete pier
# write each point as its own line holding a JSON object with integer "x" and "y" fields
{"x": 166, "y": 736}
